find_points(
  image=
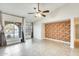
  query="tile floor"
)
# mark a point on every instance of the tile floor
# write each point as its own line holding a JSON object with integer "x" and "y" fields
{"x": 38, "y": 48}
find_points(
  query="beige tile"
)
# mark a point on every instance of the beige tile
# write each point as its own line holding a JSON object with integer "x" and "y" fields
{"x": 39, "y": 48}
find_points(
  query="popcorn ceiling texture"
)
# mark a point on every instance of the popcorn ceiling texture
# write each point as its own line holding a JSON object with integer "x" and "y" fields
{"x": 58, "y": 30}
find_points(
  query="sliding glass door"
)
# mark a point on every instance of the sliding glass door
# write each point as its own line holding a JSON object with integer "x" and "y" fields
{"x": 28, "y": 31}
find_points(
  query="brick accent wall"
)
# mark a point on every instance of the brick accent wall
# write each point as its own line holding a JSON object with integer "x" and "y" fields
{"x": 58, "y": 30}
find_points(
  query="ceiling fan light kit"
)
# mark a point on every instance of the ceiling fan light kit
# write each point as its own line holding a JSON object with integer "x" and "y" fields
{"x": 38, "y": 15}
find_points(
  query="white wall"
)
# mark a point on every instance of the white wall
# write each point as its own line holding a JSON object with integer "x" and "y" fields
{"x": 10, "y": 18}
{"x": 66, "y": 12}
{"x": 37, "y": 30}
{"x": 72, "y": 38}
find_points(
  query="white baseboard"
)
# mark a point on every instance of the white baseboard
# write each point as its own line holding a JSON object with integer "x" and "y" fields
{"x": 57, "y": 40}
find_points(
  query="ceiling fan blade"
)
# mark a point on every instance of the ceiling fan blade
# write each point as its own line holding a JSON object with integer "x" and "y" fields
{"x": 43, "y": 15}
{"x": 46, "y": 11}
{"x": 30, "y": 13}
{"x": 38, "y": 6}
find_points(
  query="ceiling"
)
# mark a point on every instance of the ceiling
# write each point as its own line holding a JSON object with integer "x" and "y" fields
{"x": 22, "y": 9}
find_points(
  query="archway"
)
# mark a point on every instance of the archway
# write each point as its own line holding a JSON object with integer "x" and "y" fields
{"x": 12, "y": 33}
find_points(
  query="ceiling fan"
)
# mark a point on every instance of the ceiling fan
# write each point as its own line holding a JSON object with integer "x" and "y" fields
{"x": 38, "y": 12}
